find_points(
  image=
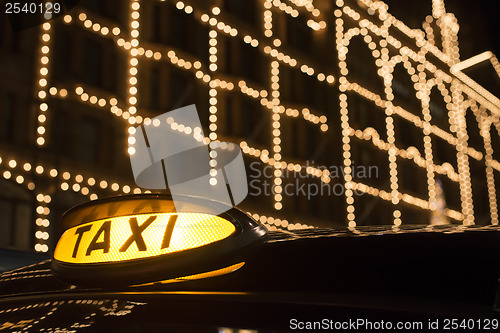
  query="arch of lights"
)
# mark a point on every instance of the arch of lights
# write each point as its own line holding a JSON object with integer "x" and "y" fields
{"x": 387, "y": 53}
{"x": 457, "y": 96}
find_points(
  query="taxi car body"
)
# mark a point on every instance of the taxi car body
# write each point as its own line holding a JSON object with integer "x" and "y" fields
{"x": 278, "y": 281}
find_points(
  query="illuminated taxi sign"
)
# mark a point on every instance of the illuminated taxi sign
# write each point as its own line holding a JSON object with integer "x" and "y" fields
{"x": 138, "y": 240}
{"x": 140, "y": 236}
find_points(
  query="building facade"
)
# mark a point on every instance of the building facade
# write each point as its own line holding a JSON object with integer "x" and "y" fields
{"x": 345, "y": 115}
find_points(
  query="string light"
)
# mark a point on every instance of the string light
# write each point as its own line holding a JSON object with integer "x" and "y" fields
{"x": 307, "y": 4}
{"x": 378, "y": 38}
{"x": 423, "y": 84}
{"x": 262, "y": 95}
{"x": 42, "y": 222}
{"x": 268, "y": 18}
{"x": 477, "y": 92}
{"x": 462, "y": 157}
{"x": 43, "y": 70}
{"x": 274, "y": 223}
{"x": 133, "y": 61}
{"x": 289, "y": 10}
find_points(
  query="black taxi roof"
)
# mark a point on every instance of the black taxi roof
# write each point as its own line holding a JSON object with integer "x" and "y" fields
{"x": 414, "y": 268}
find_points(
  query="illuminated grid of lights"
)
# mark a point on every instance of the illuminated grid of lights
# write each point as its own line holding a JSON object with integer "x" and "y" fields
{"x": 275, "y": 94}
{"x": 133, "y": 61}
{"x": 212, "y": 127}
{"x": 424, "y": 82}
{"x": 273, "y": 104}
{"x": 485, "y": 124}
{"x": 43, "y": 71}
{"x": 20, "y": 171}
{"x": 269, "y": 98}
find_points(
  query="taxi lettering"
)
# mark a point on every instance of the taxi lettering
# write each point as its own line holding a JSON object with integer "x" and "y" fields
{"x": 124, "y": 238}
{"x": 102, "y": 238}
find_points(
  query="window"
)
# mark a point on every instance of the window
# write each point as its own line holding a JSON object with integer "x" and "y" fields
{"x": 451, "y": 193}
{"x": 496, "y": 177}
{"x": 299, "y": 147}
{"x": 365, "y": 114}
{"x": 401, "y": 90}
{"x": 243, "y": 10}
{"x": 107, "y": 8}
{"x": 404, "y": 91}
{"x": 59, "y": 127}
{"x": 370, "y": 165}
{"x": 63, "y": 46}
{"x": 444, "y": 152}
{"x": 88, "y": 140}
{"x": 362, "y": 68}
{"x": 247, "y": 119}
{"x": 298, "y": 87}
{"x": 413, "y": 215}
{"x": 230, "y": 119}
{"x": 288, "y": 137}
{"x": 154, "y": 91}
{"x": 298, "y": 34}
{"x": 6, "y": 226}
{"x": 317, "y": 141}
{"x": 156, "y": 23}
{"x": 189, "y": 34}
{"x": 16, "y": 39}
{"x": 114, "y": 65}
{"x": 495, "y": 143}
{"x": 16, "y": 222}
{"x": 4, "y": 29}
{"x": 372, "y": 210}
{"x": 407, "y": 134}
{"x": 229, "y": 61}
{"x": 7, "y": 117}
{"x": 412, "y": 179}
{"x": 254, "y": 122}
{"x": 61, "y": 202}
{"x": 251, "y": 64}
{"x": 479, "y": 191}
{"x": 438, "y": 110}
{"x": 311, "y": 141}
{"x": 475, "y": 138}
{"x": 245, "y": 61}
{"x": 91, "y": 67}
{"x": 94, "y": 5}
{"x": 181, "y": 90}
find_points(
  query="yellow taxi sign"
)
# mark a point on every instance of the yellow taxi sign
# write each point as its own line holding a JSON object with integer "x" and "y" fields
{"x": 125, "y": 238}
{"x": 139, "y": 239}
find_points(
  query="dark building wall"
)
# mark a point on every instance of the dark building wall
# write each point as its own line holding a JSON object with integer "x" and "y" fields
{"x": 275, "y": 54}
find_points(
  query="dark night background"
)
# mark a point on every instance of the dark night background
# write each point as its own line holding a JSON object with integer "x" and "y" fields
{"x": 478, "y": 20}
{"x": 479, "y": 30}
{"x": 80, "y": 56}
{"x": 422, "y": 235}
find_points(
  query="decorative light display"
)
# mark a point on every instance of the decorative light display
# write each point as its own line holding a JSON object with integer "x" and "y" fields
{"x": 45, "y": 44}
{"x": 212, "y": 127}
{"x": 425, "y": 75}
{"x": 387, "y": 52}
